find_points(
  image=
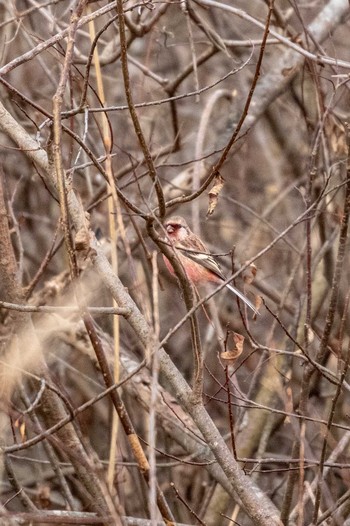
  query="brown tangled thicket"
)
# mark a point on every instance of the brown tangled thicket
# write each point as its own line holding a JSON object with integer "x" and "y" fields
{"x": 129, "y": 396}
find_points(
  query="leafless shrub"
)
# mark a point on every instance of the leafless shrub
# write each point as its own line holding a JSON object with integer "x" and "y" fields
{"x": 127, "y": 398}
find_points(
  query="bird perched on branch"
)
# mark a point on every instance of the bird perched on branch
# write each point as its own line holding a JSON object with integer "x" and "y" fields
{"x": 199, "y": 265}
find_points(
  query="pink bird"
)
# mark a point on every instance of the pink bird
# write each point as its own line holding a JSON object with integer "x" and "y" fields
{"x": 199, "y": 265}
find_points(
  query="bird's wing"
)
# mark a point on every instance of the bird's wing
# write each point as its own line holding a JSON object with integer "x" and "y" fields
{"x": 207, "y": 261}
{"x": 201, "y": 256}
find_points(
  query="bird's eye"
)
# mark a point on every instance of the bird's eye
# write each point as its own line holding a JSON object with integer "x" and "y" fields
{"x": 172, "y": 227}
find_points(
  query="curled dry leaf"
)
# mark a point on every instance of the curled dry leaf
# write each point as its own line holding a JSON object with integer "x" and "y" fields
{"x": 258, "y": 302}
{"x": 22, "y": 428}
{"x": 214, "y": 194}
{"x": 250, "y": 273}
{"x": 238, "y": 341}
{"x": 337, "y": 136}
{"x": 229, "y": 356}
{"x": 232, "y": 355}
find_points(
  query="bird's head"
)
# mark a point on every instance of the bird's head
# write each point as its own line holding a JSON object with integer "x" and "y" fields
{"x": 176, "y": 228}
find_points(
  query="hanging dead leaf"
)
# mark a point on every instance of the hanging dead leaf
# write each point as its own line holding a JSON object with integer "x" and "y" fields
{"x": 337, "y": 136}
{"x": 21, "y": 426}
{"x": 258, "y": 302}
{"x": 22, "y": 430}
{"x": 214, "y": 194}
{"x": 250, "y": 273}
{"x": 231, "y": 356}
{"x": 238, "y": 341}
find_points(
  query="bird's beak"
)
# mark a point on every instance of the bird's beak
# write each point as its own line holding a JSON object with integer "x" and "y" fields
{"x": 170, "y": 229}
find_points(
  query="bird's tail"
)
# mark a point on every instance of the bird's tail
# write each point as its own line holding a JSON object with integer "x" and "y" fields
{"x": 242, "y": 297}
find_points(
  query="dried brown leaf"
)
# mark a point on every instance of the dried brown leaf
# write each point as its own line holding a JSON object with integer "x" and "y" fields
{"x": 214, "y": 193}
{"x": 258, "y": 302}
{"x": 22, "y": 430}
{"x": 250, "y": 273}
{"x": 231, "y": 356}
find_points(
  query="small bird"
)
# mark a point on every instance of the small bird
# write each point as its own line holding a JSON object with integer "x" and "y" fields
{"x": 199, "y": 265}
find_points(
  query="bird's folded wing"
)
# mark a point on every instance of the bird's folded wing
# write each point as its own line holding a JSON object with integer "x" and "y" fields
{"x": 206, "y": 260}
